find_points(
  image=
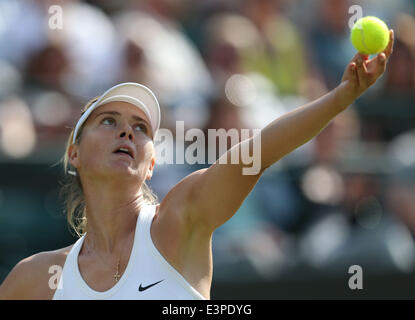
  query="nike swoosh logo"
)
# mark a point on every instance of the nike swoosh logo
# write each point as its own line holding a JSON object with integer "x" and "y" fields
{"x": 141, "y": 288}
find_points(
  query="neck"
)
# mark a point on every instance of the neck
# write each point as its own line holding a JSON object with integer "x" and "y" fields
{"x": 111, "y": 213}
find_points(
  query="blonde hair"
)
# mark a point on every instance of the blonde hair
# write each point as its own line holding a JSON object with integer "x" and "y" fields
{"x": 72, "y": 192}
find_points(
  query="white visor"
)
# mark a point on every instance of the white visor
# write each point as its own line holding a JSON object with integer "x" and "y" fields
{"x": 130, "y": 92}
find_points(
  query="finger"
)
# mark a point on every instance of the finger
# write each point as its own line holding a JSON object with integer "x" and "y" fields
{"x": 351, "y": 70}
{"x": 350, "y": 73}
{"x": 380, "y": 65}
{"x": 382, "y": 61}
{"x": 389, "y": 49}
{"x": 359, "y": 55}
{"x": 362, "y": 72}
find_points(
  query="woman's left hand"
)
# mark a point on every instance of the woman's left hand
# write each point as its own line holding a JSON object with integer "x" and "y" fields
{"x": 361, "y": 73}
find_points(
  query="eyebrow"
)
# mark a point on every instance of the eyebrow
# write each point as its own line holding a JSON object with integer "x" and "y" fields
{"x": 137, "y": 118}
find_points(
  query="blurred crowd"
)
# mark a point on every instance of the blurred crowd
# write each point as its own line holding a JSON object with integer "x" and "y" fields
{"x": 347, "y": 195}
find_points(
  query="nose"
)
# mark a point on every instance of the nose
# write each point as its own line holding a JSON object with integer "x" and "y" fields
{"x": 124, "y": 133}
{"x": 127, "y": 131}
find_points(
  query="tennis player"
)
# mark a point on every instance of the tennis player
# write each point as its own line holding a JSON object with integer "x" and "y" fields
{"x": 131, "y": 247}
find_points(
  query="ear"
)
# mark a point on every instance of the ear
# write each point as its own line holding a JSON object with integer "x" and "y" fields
{"x": 73, "y": 155}
{"x": 150, "y": 169}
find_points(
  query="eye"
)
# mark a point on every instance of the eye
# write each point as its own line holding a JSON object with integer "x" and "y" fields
{"x": 108, "y": 118}
{"x": 142, "y": 127}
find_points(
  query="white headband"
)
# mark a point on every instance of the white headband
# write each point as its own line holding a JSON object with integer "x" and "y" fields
{"x": 130, "y": 92}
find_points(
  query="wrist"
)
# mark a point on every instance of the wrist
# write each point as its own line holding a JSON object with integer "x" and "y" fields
{"x": 343, "y": 96}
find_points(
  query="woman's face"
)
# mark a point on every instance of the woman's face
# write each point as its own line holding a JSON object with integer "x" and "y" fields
{"x": 108, "y": 128}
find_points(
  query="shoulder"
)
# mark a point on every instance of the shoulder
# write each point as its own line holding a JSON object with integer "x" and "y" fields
{"x": 29, "y": 279}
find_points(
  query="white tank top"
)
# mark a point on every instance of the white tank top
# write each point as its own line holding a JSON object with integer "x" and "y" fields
{"x": 148, "y": 275}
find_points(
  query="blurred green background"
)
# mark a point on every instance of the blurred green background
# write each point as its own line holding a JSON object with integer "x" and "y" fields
{"x": 345, "y": 198}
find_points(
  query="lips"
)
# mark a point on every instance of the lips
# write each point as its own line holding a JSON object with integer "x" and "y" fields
{"x": 125, "y": 149}
{"x": 123, "y": 154}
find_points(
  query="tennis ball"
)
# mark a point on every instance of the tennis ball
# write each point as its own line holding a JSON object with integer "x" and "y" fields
{"x": 370, "y": 35}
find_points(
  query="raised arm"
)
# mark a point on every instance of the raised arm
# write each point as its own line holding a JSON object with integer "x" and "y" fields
{"x": 297, "y": 127}
{"x": 216, "y": 193}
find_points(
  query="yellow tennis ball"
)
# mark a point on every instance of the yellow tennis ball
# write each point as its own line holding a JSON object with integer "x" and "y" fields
{"x": 370, "y": 35}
